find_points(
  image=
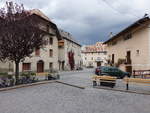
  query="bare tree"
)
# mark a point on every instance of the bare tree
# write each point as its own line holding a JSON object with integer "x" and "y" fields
{"x": 19, "y": 34}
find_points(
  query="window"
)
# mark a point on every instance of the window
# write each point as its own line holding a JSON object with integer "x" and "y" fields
{"x": 51, "y": 53}
{"x": 37, "y": 51}
{"x": 137, "y": 52}
{"x": 51, "y": 41}
{"x": 46, "y": 41}
{"x": 127, "y": 36}
{"x": 26, "y": 66}
{"x": 105, "y": 53}
{"x": 50, "y": 65}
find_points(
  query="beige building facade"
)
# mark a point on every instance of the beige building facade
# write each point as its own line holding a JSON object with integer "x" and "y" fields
{"x": 94, "y": 55}
{"x": 69, "y": 52}
{"x": 130, "y": 49}
{"x": 45, "y": 58}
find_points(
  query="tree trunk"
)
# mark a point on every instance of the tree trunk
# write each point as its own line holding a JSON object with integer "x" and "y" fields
{"x": 17, "y": 72}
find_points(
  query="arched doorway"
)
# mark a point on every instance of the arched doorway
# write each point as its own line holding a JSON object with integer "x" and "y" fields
{"x": 40, "y": 66}
{"x": 98, "y": 63}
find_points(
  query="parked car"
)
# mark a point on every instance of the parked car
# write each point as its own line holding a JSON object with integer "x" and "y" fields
{"x": 111, "y": 71}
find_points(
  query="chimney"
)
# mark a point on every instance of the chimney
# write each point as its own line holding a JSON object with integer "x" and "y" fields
{"x": 145, "y": 15}
{"x": 111, "y": 34}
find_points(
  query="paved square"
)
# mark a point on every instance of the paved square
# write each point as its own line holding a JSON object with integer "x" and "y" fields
{"x": 59, "y": 98}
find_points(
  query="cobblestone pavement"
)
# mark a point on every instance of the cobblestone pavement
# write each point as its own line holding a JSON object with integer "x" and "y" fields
{"x": 59, "y": 98}
{"x": 83, "y": 78}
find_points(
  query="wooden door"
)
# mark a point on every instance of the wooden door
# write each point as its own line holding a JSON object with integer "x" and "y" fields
{"x": 128, "y": 57}
{"x": 98, "y": 64}
{"x": 113, "y": 58}
{"x": 63, "y": 65}
{"x": 129, "y": 62}
{"x": 40, "y": 66}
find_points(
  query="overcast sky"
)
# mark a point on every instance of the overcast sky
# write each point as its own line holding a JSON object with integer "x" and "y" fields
{"x": 90, "y": 21}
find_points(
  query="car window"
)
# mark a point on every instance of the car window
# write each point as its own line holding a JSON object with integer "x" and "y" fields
{"x": 117, "y": 70}
{"x": 105, "y": 69}
{"x": 120, "y": 71}
{"x": 109, "y": 69}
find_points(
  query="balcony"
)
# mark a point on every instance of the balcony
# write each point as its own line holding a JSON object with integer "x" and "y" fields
{"x": 61, "y": 43}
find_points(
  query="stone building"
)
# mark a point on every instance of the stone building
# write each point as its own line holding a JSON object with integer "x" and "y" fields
{"x": 94, "y": 55}
{"x": 6, "y": 66}
{"x": 69, "y": 52}
{"x": 130, "y": 48}
{"x": 47, "y": 57}
{"x": 61, "y": 51}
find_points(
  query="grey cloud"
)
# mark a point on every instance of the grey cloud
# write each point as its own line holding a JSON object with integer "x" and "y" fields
{"x": 91, "y": 20}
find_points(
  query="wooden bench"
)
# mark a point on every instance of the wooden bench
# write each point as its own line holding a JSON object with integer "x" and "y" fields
{"x": 141, "y": 73}
{"x": 136, "y": 80}
{"x": 104, "y": 80}
{"x": 43, "y": 74}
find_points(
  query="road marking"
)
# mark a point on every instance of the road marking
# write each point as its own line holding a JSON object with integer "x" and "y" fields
{"x": 81, "y": 87}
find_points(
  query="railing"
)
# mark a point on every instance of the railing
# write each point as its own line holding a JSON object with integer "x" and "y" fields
{"x": 141, "y": 73}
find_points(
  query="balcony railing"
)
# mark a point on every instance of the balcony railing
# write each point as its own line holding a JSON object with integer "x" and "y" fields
{"x": 61, "y": 43}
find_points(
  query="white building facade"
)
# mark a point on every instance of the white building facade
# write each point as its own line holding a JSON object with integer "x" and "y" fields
{"x": 94, "y": 55}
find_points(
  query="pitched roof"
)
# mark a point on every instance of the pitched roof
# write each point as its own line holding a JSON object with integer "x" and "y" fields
{"x": 98, "y": 47}
{"x": 138, "y": 23}
{"x": 39, "y": 13}
{"x": 68, "y": 36}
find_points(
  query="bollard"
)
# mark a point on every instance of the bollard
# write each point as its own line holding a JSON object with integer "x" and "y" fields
{"x": 127, "y": 86}
{"x": 94, "y": 83}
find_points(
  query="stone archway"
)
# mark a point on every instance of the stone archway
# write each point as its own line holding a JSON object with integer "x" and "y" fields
{"x": 40, "y": 66}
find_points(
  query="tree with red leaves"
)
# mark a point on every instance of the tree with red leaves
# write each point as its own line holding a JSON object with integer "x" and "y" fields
{"x": 19, "y": 34}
